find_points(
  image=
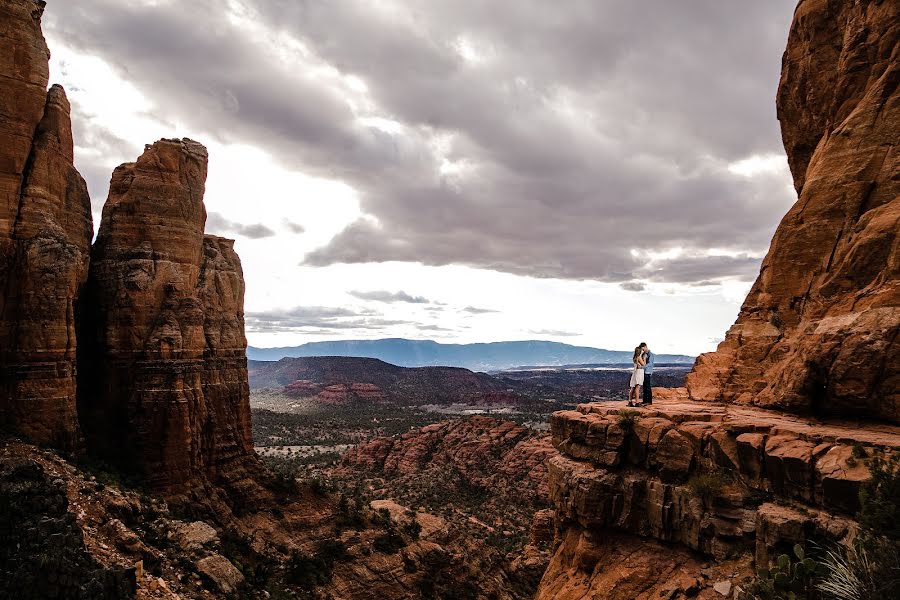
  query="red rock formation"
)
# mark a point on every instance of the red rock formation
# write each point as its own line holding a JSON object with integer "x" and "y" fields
{"x": 166, "y": 392}
{"x": 486, "y": 452}
{"x": 485, "y": 478}
{"x": 819, "y": 330}
{"x": 45, "y": 235}
{"x": 646, "y": 479}
{"x": 226, "y": 437}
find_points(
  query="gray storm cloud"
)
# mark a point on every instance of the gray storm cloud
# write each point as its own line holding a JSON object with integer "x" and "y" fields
{"x": 542, "y": 139}
{"x": 390, "y": 297}
{"x": 216, "y": 223}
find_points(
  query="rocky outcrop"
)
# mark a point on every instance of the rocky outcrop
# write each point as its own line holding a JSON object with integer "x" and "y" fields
{"x": 819, "y": 330}
{"x": 45, "y": 236}
{"x": 721, "y": 481}
{"x": 164, "y": 386}
{"x": 484, "y": 451}
{"x": 340, "y": 394}
{"x": 482, "y": 479}
{"x": 226, "y": 436}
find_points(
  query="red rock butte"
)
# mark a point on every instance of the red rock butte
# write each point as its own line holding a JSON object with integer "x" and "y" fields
{"x": 134, "y": 348}
{"x": 819, "y": 330}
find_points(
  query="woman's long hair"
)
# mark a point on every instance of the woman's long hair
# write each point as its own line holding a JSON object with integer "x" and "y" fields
{"x": 637, "y": 354}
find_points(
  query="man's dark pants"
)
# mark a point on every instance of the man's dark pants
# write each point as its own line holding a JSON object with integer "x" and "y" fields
{"x": 648, "y": 388}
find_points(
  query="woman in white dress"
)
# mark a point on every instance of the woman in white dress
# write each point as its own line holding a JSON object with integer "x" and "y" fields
{"x": 637, "y": 377}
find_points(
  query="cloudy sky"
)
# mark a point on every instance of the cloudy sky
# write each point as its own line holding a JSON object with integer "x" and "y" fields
{"x": 598, "y": 172}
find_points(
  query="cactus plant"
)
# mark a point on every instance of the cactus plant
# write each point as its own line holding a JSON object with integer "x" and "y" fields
{"x": 788, "y": 579}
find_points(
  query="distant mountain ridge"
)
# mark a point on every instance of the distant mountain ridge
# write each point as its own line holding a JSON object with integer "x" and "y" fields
{"x": 345, "y": 379}
{"x": 490, "y": 356}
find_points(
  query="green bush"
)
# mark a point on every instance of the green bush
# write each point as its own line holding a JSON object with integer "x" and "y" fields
{"x": 389, "y": 542}
{"x": 317, "y": 486}
{"x": 332, "y": 551}
{"x": 413, "y": 528}
{"x": 879, "y": 499}
{"x": 869, "y": 569}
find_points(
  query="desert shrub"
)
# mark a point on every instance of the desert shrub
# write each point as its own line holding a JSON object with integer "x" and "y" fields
{"x": 708, "y": 485}
{"x": 283, "y": 482}
{"x": 332, "y": 551}
{"x": 866, "y": 570}
{"x": 413, "y": 528}
{"x": 317, "y": 486}
{"x": 389, "y": 542}
{"x": 307, "y": 571}
{"x": 879, "y": 499}
{"x": 627, "y": 419}
{"x": 869, "y": 568}
{"x": 382, "y": 518}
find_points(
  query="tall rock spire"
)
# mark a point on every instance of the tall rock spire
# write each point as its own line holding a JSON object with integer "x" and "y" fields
{"x": 45, "y": 236}
{"x": 164, "y": 374}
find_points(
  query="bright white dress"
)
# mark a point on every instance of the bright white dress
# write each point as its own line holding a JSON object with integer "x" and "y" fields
{"x": 637, "y": 376}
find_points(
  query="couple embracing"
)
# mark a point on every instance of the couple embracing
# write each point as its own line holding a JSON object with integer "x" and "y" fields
{"x": 641, "y": 377}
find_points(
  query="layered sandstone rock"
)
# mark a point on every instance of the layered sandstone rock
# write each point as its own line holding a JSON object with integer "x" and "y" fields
{"x": 819, "y": 330}
{"x": 721, "y": 481}
{"x": 45, "y": 235}
{"x": 164, "y": 389}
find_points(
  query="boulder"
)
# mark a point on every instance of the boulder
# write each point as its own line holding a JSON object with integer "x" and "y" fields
{"x": 223, "y": 575}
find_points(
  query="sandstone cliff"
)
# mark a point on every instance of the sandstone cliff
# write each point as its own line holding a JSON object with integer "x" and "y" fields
{"x": 164, "y": 378}
{"x": 45, "y": 236}
{"x": 729, "y": 486}
{"x": 819, "y": 330}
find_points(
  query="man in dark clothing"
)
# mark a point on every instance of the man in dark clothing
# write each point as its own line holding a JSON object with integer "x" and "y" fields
{"x": 648, "y": 375}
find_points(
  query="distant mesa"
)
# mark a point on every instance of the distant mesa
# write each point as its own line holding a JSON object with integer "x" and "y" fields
{"x": 343, "y": 380}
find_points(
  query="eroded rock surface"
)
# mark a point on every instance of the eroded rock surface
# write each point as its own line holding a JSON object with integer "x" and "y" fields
{"x": 45, "y": 236}
{"x": 819, "y": 330}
